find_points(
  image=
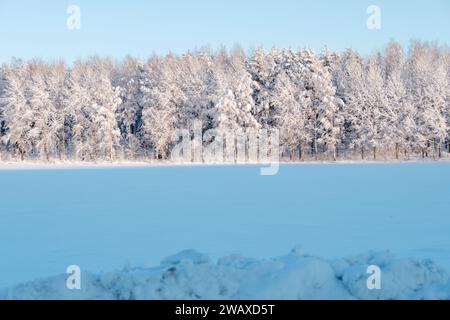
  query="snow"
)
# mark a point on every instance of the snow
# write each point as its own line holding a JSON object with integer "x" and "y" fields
{"x": 103, "y": 219}
{"x": 192, "y": 275}
{"x": 20, "y": 165}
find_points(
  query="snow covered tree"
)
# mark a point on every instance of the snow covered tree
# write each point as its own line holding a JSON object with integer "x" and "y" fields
{"x": 91, "y": 102}
{"x": 292, "y": 107}
{"x": 399, "y": 112}
{"x": 105, "y": 101}
{"x": 374, "y": 118}
{"x": 261, "y": 67}
{"x": 331, "y": 61}
{"x": 427, "y": 89}
{"x": 3, "y": 72}
{"x": 324, "y": 121}
{"x": 160, "y": 101}
{"x": 234, "y": 109}
{"x": 350, "y": 81}
{"x": 17, "y": 115}
{"x": 446, "y": 61}
{"x": 132, "y": 79}
{"x": 329, "y": 105}
{"x": 44, "y": 85}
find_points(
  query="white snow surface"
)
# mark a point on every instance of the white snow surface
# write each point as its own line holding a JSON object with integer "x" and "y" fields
{"x": 13, "y": 165}
{"x": 102, "y": 219}
{"x": 192, "y": 275}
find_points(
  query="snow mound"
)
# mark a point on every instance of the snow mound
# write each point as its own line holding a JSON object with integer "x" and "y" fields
{"x": 192, "y": 275}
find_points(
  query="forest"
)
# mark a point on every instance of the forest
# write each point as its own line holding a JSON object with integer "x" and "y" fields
{"x": 393, "y": 104}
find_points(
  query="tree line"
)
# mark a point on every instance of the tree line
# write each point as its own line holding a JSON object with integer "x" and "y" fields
{"x": 390, "y": 104}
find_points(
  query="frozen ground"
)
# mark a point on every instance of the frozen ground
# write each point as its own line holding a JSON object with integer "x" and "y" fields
{"x": 106, "y": 218}
{"x": 191, "y": 275}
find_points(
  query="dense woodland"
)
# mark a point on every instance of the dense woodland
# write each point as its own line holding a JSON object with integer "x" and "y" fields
{"x": 393, "y": 104}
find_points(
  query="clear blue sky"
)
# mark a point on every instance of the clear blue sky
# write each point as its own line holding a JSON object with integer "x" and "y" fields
{"x": 30, "y": 28}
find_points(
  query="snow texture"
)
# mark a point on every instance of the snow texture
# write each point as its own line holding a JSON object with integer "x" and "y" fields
{"x": 104, "y": 218}
{"x": 192, "y": 275}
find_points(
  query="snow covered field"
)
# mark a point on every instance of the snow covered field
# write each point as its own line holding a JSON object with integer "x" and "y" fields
{"x": 107, "y": 219}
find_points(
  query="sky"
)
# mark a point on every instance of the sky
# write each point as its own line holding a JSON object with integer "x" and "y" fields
{"x": 115, "y": 28}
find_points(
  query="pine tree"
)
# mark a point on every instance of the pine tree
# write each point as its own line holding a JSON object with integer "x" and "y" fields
{"x": 399, "y": 111}
{"x": 292, "y": 107}
{"x": 17, "y": 115}
{"x": 160, "y": 102}
{"x": 427, "y": 82}
{"x": 324, "y": 121}
{"x": 350, "y": 88}
{"x": 132, "y": 78}
{"x": 261, "y": 67}
{"x": 375, "y": 117}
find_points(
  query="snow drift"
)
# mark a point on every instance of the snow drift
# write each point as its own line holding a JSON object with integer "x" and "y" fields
{"x": 192, "y": 275}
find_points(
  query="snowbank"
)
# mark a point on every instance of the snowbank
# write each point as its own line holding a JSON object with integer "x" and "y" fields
{"x": 192, "y": 275}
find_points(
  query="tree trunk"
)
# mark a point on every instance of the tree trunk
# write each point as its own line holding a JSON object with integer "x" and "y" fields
{"x": 315, "y": 149}
{"x": 396, "y": 150}
{"x": 61, "y": 152}
{"x": 374, "y": 153}
{"x": 434, "y": 149}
